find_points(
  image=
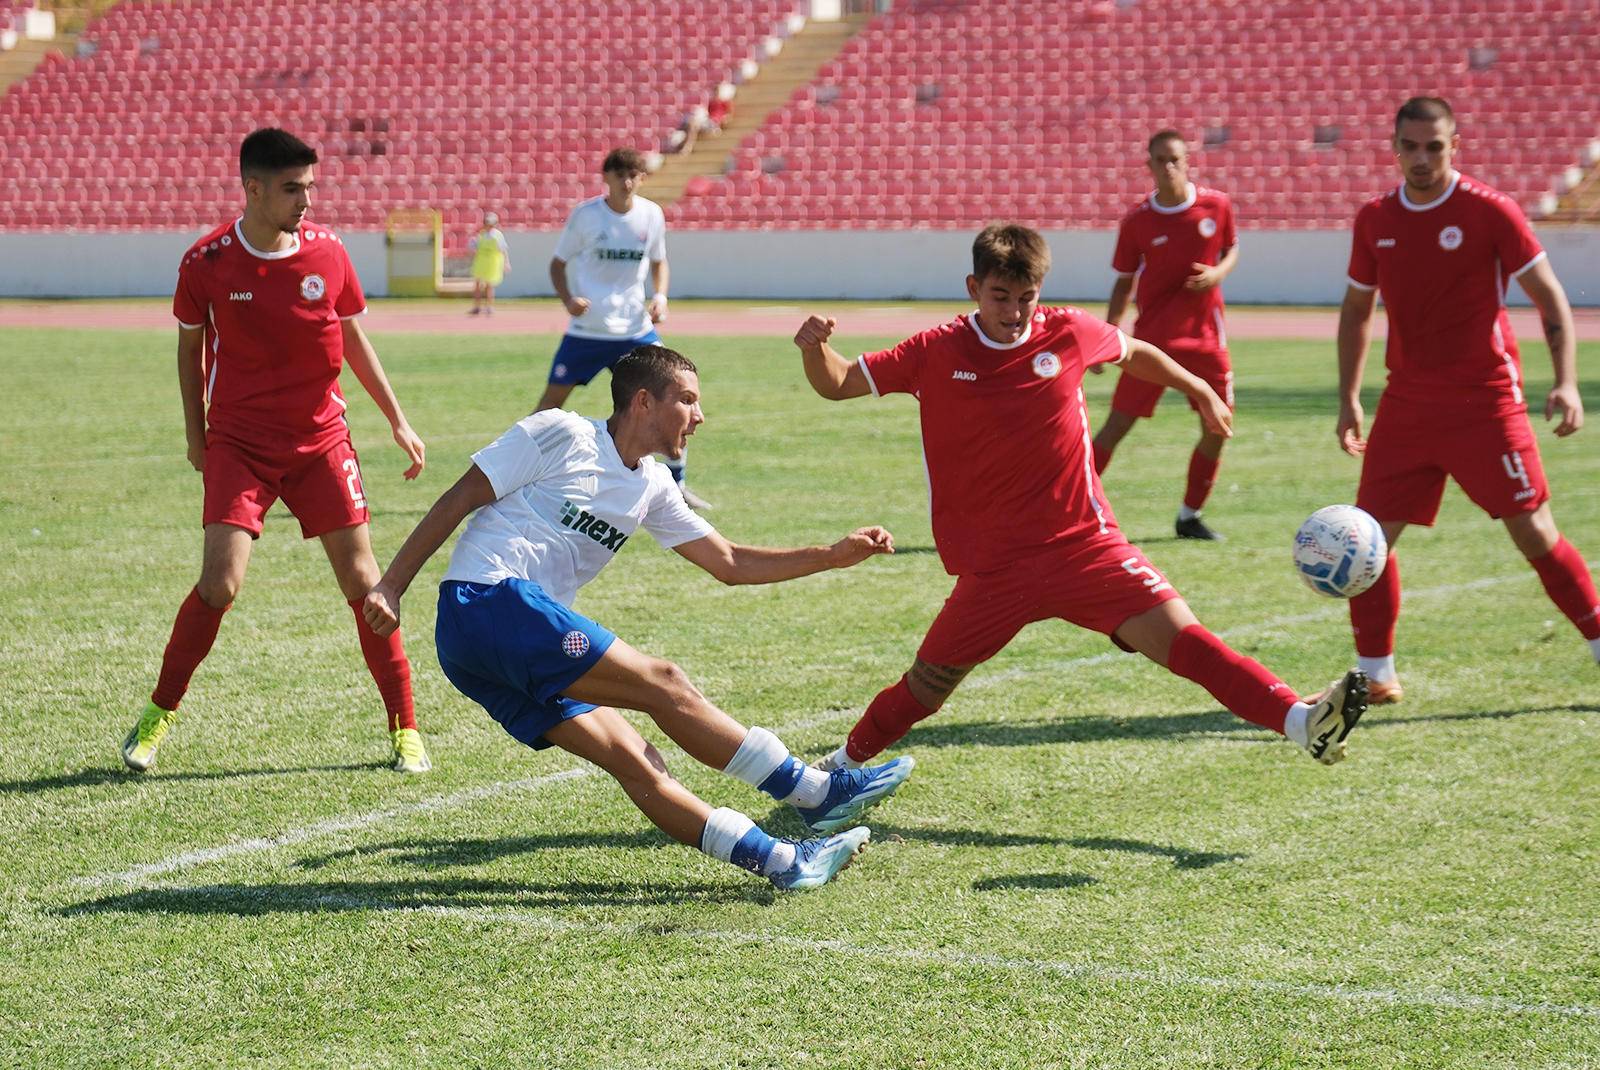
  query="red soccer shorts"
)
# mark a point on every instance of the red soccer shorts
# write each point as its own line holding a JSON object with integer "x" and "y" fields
{"x": 1412, "y": 450}
{"x": 1096, "y": 584}
{"x": 1136, "y": 397}
{"x": 320, "y": 484}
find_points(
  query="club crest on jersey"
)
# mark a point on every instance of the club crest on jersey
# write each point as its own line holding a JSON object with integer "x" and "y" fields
{"x": 312, "y": 287}
{"x": 1047, "y": 365}
{"x": 1208, "y": 227}
{"x": 1450, "y": 238}
{"x": 574, "y": 644}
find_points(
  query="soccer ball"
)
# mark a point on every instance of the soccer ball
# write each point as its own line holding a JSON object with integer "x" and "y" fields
{"x": 1340, "y": 551}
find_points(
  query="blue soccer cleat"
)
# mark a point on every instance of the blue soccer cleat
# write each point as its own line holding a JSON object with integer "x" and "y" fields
{"x": 816, "y": 861}
{"x": 852, "y": 791}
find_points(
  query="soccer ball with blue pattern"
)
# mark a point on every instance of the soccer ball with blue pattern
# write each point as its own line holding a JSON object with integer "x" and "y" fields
{"x": 1340, "y": 551}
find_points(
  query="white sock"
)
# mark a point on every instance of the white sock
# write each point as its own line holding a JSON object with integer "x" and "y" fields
{"x": 811, "y": 790}
{"x": 781, "y": 858}
{"x": 1594, "y": 648}
{"x": 757, "y": 757}
{"x": 1186, "y": 513}
{"x": 724, "y": 829}
{"x": 1294, "y": 725}
{"x": 1381, "y": 670}
{"x": 840, "y": 759}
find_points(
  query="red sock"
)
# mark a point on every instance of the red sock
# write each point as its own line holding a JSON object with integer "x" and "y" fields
{"x": 1566, "y": 580}
{"x": 192, "y": 635}
{"x": 1241, "y": 684}
{"x": 386, "y": 660}
{"x": 1373, "y": 613}
{"x": 1202, "y": 474}
{"x": 890, "y": 716}
{"x": 1102, "y": 457}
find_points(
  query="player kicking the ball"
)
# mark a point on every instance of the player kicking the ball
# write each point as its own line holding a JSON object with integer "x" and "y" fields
{"x": 1440, "y": 248}
{"x": 555, "y": 498}
{"x": 266, "y": 311}
{"x": 1019, "y": 516}
{"x": 1179, "y": 243}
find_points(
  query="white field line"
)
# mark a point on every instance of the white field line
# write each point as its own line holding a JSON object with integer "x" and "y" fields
{"x": 1500, "y": 1005}
{"x": 1338, "y": 610}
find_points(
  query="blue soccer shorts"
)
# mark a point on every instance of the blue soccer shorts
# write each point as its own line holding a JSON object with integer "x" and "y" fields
{"x": 580, "y": 359}
{"x": 513, "y": 649}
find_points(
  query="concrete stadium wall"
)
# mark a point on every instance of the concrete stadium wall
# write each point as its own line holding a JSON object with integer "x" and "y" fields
{"x": 1276, "y": 266}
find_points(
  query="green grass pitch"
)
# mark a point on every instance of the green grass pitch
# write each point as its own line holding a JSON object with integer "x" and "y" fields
{"x": 1094, "y": 866}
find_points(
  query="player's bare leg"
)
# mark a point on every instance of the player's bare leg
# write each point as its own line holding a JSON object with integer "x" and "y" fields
{"x": 349, "y": 551}
{"x": 477, "y": 297}
{"x": 1373, "y": 615}
{"x": 1171, "y": 636}
{"x": 1561, "y": 569}
{"x": 825, "y": 800}
{"x": 555, "y": 395}
{"x": 1111, "y": 433}
{"x": 225, "y": 559}
{"x": 1203, "y": 465}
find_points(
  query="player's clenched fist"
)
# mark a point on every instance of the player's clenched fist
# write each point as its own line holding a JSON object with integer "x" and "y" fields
{"x": 815, "y": 331}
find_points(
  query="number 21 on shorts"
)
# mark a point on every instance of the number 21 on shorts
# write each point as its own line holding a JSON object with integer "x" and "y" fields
{"x": 352, "y": 480}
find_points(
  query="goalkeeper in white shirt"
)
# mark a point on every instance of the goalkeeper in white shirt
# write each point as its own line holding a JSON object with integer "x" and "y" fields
{"x": 552, "y": 501}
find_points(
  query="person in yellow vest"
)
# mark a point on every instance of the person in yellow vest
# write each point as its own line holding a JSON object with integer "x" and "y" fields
{"x": 490, "y": 262}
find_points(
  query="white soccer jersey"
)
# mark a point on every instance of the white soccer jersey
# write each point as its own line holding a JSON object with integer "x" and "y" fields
{"x": 566, "y": 504}
{"x": 608, "y": 258}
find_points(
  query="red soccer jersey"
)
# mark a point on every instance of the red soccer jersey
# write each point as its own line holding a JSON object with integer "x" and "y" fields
{"x": 1005, "y": 433}
{"x": 1442, "y": 270}
{"x": 1162, "y": 245}
{"x": 274, "y": 346}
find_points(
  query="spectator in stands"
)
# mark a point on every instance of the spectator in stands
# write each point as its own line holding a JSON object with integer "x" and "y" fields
{"x": 490, "y": 262}
{"x": 608, "y": 247}
{"x": 1177, "y": 244}
{"x": 704, "y": 119}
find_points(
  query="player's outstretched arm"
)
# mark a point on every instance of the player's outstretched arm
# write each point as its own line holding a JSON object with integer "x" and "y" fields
{"x": 829, "y": 373}
{"x": 471, "y": 491}
{"x": 1145, "y": 361}
{"x": 363, "y": 360}
{"x": 1355, "y": 336}
{"x": 1555, "y": 313}
{"x": 735, "y": 564}
{"x": 192, "y": 388}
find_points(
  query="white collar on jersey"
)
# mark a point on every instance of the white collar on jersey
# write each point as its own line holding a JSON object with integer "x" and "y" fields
{"x": 1188, "y": 201}
{"x": 1455, "y": 180}
{"x": 253, "y": 251}
{"x": 972, "y": 321}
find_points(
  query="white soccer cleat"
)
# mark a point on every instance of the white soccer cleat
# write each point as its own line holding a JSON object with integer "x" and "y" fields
{"x": 1333, "y": 714}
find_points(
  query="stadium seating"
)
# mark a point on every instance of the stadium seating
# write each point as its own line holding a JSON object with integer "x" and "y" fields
{"x": 941, "y": 114}
{"x": 947, "y": 114}
{"x": 454, "y": 104}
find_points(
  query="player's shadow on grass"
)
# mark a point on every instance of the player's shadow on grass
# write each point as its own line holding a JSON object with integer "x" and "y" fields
{"x": 1378, "y": 716}
{"x": 339, "y": 897}
{"x": 474, "y": 852}
{"x": 1074, "y": 730}
{"x": 1182, "y": 857}
{"x": 1036, "y": 882}
{"x": 93, "y": 778}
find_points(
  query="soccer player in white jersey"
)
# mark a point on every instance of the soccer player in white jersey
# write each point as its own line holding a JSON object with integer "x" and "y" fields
{"x": 552, "y": 501}
{"x": 1440, "y": 248}
{"x": 607, "y": 249}
{"x": 266, "y": 309}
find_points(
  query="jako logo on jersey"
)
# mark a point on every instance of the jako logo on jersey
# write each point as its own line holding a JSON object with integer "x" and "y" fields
{"x": 970, "y": 377}
{"x": 1450, "y": 238}
{"x": 1047, "y": 366}
{"x": 620, "y": 254}
{"x": 1208, "y": 227}
{"x": 312, "y": 287}
{"x": 1386, "y": 243}
{"x": 1159, "y": 239}
{"x": 237, "y": 296}
{"x": 608, "y": 537}
{"x": 574, "y": 644}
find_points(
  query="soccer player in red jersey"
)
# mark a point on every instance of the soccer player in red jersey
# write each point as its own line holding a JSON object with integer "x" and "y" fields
{"x": 1177, "y": 245}
{"x": 1019, "y": 516}
{"x": 266, "y": 311}
{"x": 1440, "y": 248}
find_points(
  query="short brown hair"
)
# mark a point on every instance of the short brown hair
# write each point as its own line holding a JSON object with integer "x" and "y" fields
{"x": 1168, "y": 134}
{"x": 270, "y": 150}
{"x": 1427, "y": 109}
{"x": 1011, "y": 252}
{"x": 647, "y": 367}
{"x": 623, "y": 159}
